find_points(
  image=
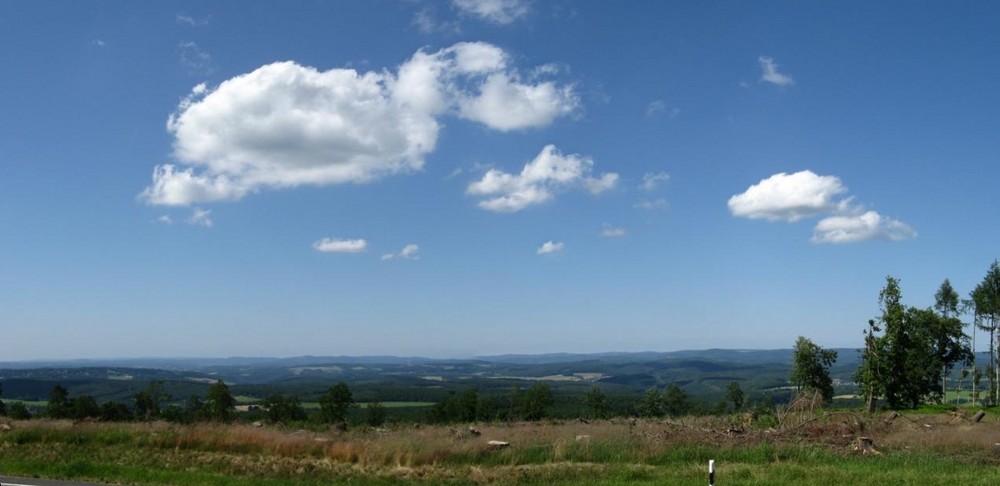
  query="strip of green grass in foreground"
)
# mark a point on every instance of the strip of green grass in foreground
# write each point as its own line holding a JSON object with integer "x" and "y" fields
{"x": 759, "y": 465}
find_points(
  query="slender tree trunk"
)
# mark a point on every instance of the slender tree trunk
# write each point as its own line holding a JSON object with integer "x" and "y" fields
{"x": 993, "y": 381}
{"x": 996, "y": 379}
{"x": 975, "y": 364}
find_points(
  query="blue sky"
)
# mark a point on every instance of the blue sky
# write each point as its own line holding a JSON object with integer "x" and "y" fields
{"x": 460, "y": 178}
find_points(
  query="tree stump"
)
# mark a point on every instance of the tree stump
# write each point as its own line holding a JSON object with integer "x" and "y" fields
{"x": 865, "y": 445}
{"x": 978, "y": 416}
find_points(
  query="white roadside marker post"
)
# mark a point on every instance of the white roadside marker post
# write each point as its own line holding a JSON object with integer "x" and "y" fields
{"x": 711, "y": 472}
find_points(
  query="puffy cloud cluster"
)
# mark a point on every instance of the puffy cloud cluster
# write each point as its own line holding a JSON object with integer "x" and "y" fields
{"x": 285, "y": 125}
{"x": 770, "y": 73}
{"x": 791, "y": 197}
{"x": 500, "y": 12}
{"x": 550, "y": 172}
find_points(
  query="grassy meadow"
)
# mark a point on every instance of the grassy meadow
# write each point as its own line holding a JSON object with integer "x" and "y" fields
{"x": 809, "y": 447}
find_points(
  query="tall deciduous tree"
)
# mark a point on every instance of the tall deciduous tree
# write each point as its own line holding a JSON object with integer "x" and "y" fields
{"x": 149, "y": 401}
{"x": 597, "y": 402}
{"x": 537, "y": 401}
{"x": 811, "y": 368}
{"x": 651, "y": 403}
{"x": 986, "y": 300}
{"x": 220, "y": 404}
{"x": 58, "y": 405}
{"x": 675, "y": 400}
{"x": 906, "y": 363}
{"x": 946, "y": 303}
{"x": 735, "y": 395}
{"x": 335, "y": 403}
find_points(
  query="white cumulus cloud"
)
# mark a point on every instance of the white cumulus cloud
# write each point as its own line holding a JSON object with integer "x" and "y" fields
{"x": 869, "y": 225}
{"x": 286, "y": 125}
{"x": 505, "y": 103}
{"x": 550, "y": 172}
{"x": 409, "y": 252}
{"x": 789, "y": 197}
{"x": 333, "y": 245}
{"x": 770, "y": 72}
{"x": 550, "y": 247}
{"x": 500, "y": 12}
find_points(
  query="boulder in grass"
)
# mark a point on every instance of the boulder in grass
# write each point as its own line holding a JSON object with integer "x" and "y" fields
{"x": 498, "y": 444}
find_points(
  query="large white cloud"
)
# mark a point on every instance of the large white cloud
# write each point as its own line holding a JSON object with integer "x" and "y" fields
{"x": 789, "y": 197}
{"x": 285, "y": 125}
{"x": 550, "y": 172}
{"x": 496, "y": 11}
{"x": 861, "y": 227}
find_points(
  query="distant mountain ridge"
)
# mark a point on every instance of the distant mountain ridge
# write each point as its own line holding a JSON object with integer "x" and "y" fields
{"x": 745, "y": 356}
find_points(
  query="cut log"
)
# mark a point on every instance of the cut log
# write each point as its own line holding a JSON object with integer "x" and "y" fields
{"x": 978, "y": 416}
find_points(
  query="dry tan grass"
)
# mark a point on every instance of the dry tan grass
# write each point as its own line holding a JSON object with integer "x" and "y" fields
{"x": 563, "y": 449}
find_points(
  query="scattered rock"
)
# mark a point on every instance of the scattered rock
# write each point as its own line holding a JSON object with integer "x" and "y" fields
{"x": 5, "y": 427}
{"x": 474, "y": 431}
{"x": 258, "y": 424}
{"x": 583, "y": 438}
{"x": 892, "y": 416}
{"x": 498, "y": 444}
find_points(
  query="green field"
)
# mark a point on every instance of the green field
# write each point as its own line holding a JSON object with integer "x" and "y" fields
{"x": 811, "y": 448}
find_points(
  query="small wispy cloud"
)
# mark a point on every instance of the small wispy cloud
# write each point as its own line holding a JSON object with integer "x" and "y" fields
{"x": 165, "y": 219}
{"x": 660, "y": 107}
{"x": 651, "y": 180}
{"x": 609, "y": 231}
{"x": 500, "y": 12}
{"x": 201, "y": 217}
{"x": 550, "y": 247}
{"x": 652, "y": 204}
{"x": 194, "y": 59}
{"x": 427, "y": 22}
{"x": 333, "y": 245}
{"x": 409, "y": 252}
{"x": 185, "y": 19}
{"x": 770, "y": 72}
{"x": 99, "y": 43}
